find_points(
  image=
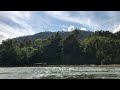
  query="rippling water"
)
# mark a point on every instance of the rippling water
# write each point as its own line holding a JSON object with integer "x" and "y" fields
{"x": 60, "y": 73}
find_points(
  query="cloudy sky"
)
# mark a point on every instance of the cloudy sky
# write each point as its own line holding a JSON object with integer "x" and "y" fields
{"x": 19, "y": 23}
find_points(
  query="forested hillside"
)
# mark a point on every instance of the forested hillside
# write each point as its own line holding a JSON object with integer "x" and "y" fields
{"x": 45, "y": 35}
{"x": 62, "y": 48}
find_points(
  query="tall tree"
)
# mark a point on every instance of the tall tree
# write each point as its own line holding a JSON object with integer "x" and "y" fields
{"x": 71, "y": 50}
{"x": 52, "y": 51}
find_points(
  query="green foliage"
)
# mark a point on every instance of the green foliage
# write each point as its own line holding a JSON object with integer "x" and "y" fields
{"x": 71, "y": 49}
{"x": 46, "y": 35}
{"x": 101, "y": 47}
{"x": 8, "y": 52}
{"x": 52, "y": 51}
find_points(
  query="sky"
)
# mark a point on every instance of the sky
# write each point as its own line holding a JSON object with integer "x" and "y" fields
{"x": 20, "y": 23}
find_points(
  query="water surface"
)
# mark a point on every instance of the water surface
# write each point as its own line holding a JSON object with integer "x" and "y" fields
{"x": 60, "y": 73}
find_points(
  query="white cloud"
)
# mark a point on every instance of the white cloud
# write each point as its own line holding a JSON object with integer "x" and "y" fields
{"x": 95, "y": 20}
{"x": 3, "y": 36}
{"x": 71, "y": 28}
{"x": 83, "y": 29}
{"x": 116, "y": 29}
{"x": 82, "y": 17}
{"x": 18, "y": 23}
{"x": 63, "y": 29}
{"x": 57, "y": 13}
{"x": 20, "y": 18}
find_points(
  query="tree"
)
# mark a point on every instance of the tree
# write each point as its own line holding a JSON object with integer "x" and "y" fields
{"x": 117, "y": 34}
{"x": 71, "y": 49}
{"x": 38, "y": 43}
{"x": 101, "y": 48}
{"x": 8, "y": 52}
{"x": 52, "y": 51}
{"x": 26, "y": 56}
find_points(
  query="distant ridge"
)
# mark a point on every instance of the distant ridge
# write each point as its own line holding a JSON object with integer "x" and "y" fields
{"x": 44, "y": 35}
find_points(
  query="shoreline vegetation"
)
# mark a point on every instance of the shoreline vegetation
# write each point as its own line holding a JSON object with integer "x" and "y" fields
{"x": 100, "y": 48}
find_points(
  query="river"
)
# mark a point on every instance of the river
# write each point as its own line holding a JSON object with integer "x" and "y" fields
{"x": 60, "y": 73}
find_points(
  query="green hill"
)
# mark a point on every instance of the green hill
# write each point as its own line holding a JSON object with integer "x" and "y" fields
{"x": 45, "y": 35}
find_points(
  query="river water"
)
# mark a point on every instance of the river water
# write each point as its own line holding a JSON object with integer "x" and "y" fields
{"x": 60, "y": 73}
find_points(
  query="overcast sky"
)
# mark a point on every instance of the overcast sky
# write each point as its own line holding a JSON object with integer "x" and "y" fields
{"x": 19, "y": 23}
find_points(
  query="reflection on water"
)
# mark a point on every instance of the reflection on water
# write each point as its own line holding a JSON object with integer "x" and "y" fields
{"x": 60, "y": 73}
